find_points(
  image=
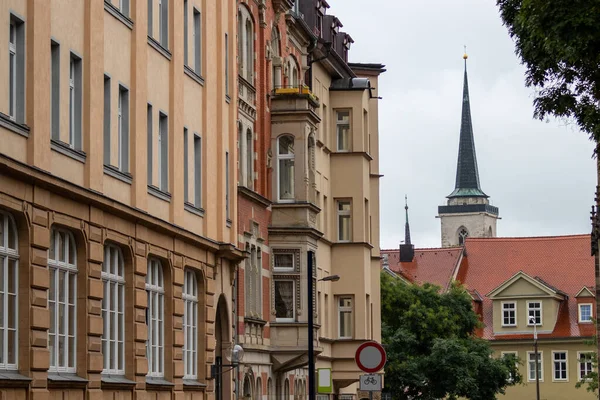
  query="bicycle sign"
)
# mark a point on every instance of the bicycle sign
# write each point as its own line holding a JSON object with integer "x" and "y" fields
{"x": 371, "y": 383}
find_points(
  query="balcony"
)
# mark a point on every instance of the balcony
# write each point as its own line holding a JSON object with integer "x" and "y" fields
{"x": 299, "y": 91}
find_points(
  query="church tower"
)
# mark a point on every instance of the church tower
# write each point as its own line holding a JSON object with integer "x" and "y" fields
{"x": 468, "y": 212}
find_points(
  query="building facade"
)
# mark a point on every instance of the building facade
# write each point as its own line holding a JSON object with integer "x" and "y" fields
{"x": 118, "y": 232}
{"x": 309, "y": 184}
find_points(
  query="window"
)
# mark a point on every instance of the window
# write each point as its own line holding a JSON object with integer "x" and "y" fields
{"x": 509, "y": 314}
{"x": 283, "y": 262}
{"x": 113, "y": 311}
{"x": 9, "y": 258}
{"x": 512, "y": 354}
{"x": 106, "y": 126}
{"x": 585, "y": 313}
{"x": 55, "y": 89}
{"x": 249, "y": 51}
{"x": 124, "y": 7}
{"x": 150, "y": 16}
{"x": 155, "y": 318}
{"x": 123, "y": 126}
{"x": 226, "y": 65}
{"x": 343, "y": 130}
{"x": 249, "y": 160}
{"x": 344, "y": 221}
{"x": 586, "y": 365}
{"x": 285, "y": 298}
{"x": 197, "y": 42}
{"x": 531, "y": 366}
{"x": 560, "y": 365}
{"x": 149, "y": 135}
{"x": 185, "y": 32}
{"x": 75, "y": 100}
{"x": 16, "y": 70}
{"x": 462, "y": 235}
{"x": 62, "y": 294}
{"x": 163, "y": 21}
{"x": 163, "y": 152}
{"x": 345, "y": 317}
{"x": 285, "y": 156}
{"x": 197, "y": 171}
{"x": 186, "y": 181}
{"x": 190, "y": 325}
{"x": 252, "y": 277}
{"x": 534, "y": 310}
{"x": 227, "y": 185}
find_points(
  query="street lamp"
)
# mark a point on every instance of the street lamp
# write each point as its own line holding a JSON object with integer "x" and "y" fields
{"x": 537, "y": 360}
{"x": 312, "y": 393}
{"x": 235, "y": 357}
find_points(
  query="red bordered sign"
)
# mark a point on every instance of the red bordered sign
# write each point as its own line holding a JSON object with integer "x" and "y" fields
{"x": 370, "y": 357}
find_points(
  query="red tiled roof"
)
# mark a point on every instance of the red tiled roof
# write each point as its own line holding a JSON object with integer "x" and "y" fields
{"x": 561, "y": 261}
{"x": 435, "y": 266}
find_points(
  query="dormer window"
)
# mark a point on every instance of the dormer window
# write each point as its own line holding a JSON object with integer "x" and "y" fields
{"x": 585, "y": 313}
{"x": 319, "y": 21}
{"x": 534, "y": 313}
{"x": 509, "y": 314}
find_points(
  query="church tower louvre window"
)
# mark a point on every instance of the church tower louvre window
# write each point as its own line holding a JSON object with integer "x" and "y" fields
{"x": 468, "y": 212}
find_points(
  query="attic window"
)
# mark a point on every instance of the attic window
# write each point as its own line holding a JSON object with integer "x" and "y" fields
{"x": 585, "y": 313}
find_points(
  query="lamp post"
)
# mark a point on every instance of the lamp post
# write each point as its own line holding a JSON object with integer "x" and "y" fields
{"x": 537, "y": 360}
{"x": 235, "y": 357}
{"x": 312, "y": 387}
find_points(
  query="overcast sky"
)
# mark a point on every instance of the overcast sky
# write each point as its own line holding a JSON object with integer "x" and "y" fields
{"x": 540, "y": 174}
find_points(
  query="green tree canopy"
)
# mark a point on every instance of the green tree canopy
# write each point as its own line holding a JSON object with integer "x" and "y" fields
{"x": 558, "y": 41}
{"x": 431, "y": 347}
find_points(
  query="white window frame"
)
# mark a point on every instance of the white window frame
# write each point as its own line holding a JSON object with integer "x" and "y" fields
{"x": 343, "y": 214}
{"x": 190, "y": 325}
{"x": 12, "y": 70}
{"x": 579, "y": 307}
{"x": 345, "y": 310}
{"x": 113, "y": 310}
{"x": 69, "y": 269}
{"x": 282, "y": 157}
{"x": 566, "y": 365}
{"x": 284, "y": 269}
{"x": 338, "y": 125}
{"x": 294, "y": 311}
{"x": 532, "y": 371}
{"x": 9, "y": 259}
{"x": 586, "y": 363}
{"x": 514, "y": 311}
{"x": 514, "y": 353}
{"x": 529, "y": 309}
{"x": 155, "y": 319}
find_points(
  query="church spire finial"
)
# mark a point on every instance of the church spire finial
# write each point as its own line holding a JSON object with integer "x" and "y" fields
{"x": 467, "y": 174}
{"x": 406, "y": 225}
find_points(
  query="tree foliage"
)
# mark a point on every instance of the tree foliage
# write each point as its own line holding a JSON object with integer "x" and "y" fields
{"x": 590, "y": 380}
{"x": 558, "y": 41}
{"x": 431, "y": 347}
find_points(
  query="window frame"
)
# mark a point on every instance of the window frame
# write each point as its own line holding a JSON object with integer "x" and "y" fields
{"x": 338, "y": 125}
{"x": 155, "y": 289}
{"x": 55, "y": 89}
{"x": 532, "y": 370}
{"x": 9, "y": 258}
{"x": 197, "y": 170}
{"x": 529, "y": 309}
{"x": 197, "y": 20}
{"x": 285, "y": 269}
{"x": 283, "y": 157}
{"x": 514, "y": 353}
{"x": 564, "y": 362}
{"x": 163, "y": 152}
{"x": 113, "y": 253}
{"x": 123, "y": 136}
{"x": 514, "y": 311}
{"x": 12, "y": 69}
{"x": 585, "y": 362}
{"x": 294, "y": 311}
{"x": 579, "y": 313}
{"x": 344, "y": 214}
{"x": 75, "y": 102}
{"x": 190, "y": 296}
{"x": 345, "y": 309}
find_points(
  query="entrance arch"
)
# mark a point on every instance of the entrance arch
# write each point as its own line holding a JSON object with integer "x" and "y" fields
{"x": 222, "y": 351}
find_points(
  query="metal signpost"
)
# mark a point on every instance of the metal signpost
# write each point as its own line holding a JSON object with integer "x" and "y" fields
{"x": 370, "y": 357}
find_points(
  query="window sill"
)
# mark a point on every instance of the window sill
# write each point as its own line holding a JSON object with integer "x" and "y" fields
{"x": 586, "y": 322}
{"x": 156, "y": 192}
{"x": 254, "y": 320}
{"x": 65, "y": 149}
{"x": 189, "y": 207}
{"x": 159, "y": 47}
{"x": 11, "y": 125}
{"x": 12, "y": 379}
{"x": 153, "y": 383}
{"x": 117, "y": 382}
{"x": 117, "y": 174}
{"x": 115, "y": 12}
{"x": 509, "y": 326}
{"x": 64, "y": 380}
{"x": 192, "y": 74}
{"x": 191, "y": 384}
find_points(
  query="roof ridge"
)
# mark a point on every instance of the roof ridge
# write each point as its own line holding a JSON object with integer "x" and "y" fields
{"x": 532, "y": 238}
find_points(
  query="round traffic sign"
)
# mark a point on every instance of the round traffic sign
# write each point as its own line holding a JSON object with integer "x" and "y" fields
{"x": 370, "y": 357}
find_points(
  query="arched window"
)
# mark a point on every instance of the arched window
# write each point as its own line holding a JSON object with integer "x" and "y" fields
{"x": 276, "y": 61}
{"x": 247, "y": 390}
{"x": 240, "y": 41}
{"x": 490, "y": 233}
{"x": 462, "y": 235}
{"x": 190, "y": 325}
{"x": 241, "y": 162}
{"x": 249, "y": 159}
{"x": 294, "y": 72}
{"x": 285, "y": 157}
{"x": 9, "y": 258}
{"x": 258, "y": 390}
{"x": 62, "y": 296}
{"x": 155, "y": 318}
{"x": 269, "y": 388}
{"x": 113, "y": 311}
{"x": 286, "y": 389}
{"x": 249, "y": 51}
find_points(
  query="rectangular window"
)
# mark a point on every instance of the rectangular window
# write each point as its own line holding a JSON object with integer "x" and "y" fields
{"x": 344, "y": 221}
{"x": 345, "y": 317}
{"x": 531, "y": 366}
{"x": 155, "y": 317}
{"x": 16, "y": 70}
{"x": 185, "y": 32}
{"x": 150, "y": 16}
{"x": 55, "y": 89}
{"x": 226, "y": 64}
{"x": 534, "y": 313}
{"x": 113, "y": 311}
{"x": 124, "y": 7}
{"x": 283, "y": 262}
{"x": 186, "y": 178}
{"x": 585, "y": 313}
{"x": 586, "y": 365}
{"x": 163, "y": 152}
{"x": 106, "y": 120}
{"x": 123, "y": 126}
{"x": 9, "y": 258}
{"x": 560, "y": 365}
{"x": 197, "y": 43}
{"x": 149, "y": 156}
{"x": 190, "y": 326}
{"x": 197, "y": 171}
{"x": 325, "y": 127}
{"x": 512, "y": 354}
{"x": 343, "y": 130}
{"x": 227, "y": 185}
{"x": 509, "y": 314}
{"x": 285, "y": 298}
{"x": 163, "y": 16}
{"x": 75, "y": 100}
